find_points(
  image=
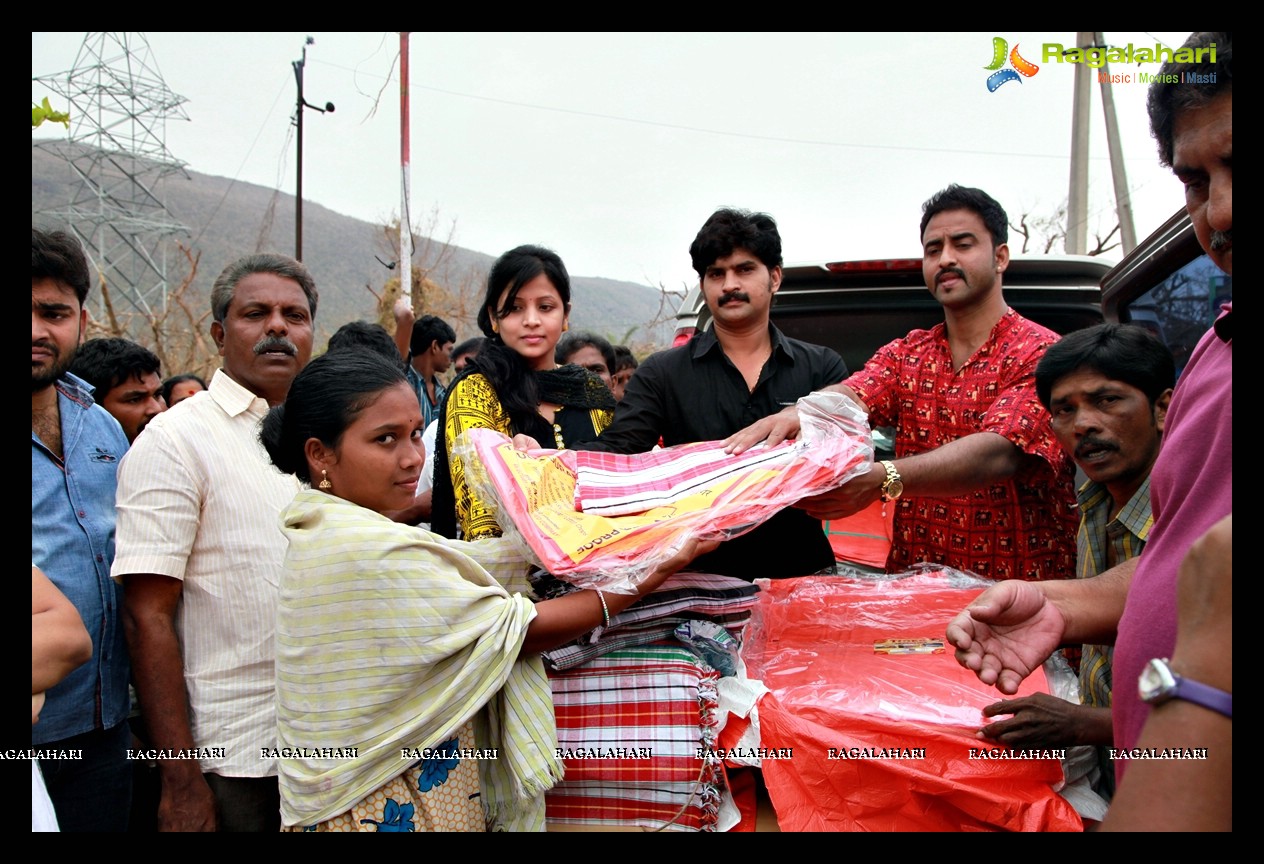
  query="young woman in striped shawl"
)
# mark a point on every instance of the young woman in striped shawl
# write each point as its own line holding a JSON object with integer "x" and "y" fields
{"x": 411, "y": 696}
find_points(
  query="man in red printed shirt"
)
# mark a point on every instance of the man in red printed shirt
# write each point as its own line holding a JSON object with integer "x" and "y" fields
{"x": 979, "y": 482}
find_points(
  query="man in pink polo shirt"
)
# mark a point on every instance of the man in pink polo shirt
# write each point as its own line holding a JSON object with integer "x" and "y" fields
{"x": 1011, "y": 628}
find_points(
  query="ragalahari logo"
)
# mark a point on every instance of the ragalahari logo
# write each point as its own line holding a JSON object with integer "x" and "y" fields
{"x": 1019, "y": 66}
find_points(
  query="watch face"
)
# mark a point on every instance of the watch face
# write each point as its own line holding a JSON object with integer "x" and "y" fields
{"x": 895, "y": 489}
{"x": 1155, "y": 681}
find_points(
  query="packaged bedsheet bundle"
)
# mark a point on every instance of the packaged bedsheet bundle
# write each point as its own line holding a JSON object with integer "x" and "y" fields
{"x": 603, "y": 520}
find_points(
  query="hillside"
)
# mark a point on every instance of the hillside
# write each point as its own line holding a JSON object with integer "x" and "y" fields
{"x": 228, "y": 219}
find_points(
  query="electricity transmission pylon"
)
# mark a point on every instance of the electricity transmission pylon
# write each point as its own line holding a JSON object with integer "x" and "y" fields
{"x": 119, "y": 107}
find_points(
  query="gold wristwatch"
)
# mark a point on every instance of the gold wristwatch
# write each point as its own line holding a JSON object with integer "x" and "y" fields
{"x": 893, "y": 486}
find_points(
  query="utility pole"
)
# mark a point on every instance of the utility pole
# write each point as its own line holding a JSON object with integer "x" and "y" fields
{"x": 405, "y": 214}
{"x": 1076, "y": 242}
{"x": 298, "y": 120}
{"x": 1118, "y": 173}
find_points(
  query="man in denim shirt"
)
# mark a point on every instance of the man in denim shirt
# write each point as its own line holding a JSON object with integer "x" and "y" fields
{"x": 82, "y": 734}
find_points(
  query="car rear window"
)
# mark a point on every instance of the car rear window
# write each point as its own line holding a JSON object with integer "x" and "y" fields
{"x": 1180, "y": 308}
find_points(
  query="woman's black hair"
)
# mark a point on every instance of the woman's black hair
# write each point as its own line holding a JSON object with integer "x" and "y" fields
{"x": 504, "y": 368}
{"x": 519, "y": 388}
{"x": 324, "y": 399}
{"x": 170, "y": 384}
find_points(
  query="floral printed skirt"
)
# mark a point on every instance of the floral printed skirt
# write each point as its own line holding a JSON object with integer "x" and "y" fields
{"x": 432, "y": 795}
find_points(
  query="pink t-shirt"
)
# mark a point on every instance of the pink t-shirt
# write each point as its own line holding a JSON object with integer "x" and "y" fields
{"x": 1191, "y": 488}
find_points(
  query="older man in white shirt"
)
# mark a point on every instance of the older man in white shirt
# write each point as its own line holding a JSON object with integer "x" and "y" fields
{"x": 200, "y": 553}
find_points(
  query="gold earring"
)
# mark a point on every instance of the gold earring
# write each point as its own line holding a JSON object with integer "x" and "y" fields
{"x": 495, "y": 327}
{"x": 324, "y": 480}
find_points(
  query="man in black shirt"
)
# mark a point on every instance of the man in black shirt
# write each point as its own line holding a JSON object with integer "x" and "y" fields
{"x": 724, "y": 379}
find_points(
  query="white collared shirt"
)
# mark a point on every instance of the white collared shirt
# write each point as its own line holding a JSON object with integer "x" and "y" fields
{"x": 199, "y": 500}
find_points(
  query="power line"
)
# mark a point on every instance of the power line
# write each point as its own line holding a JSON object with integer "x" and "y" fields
{"x": 680, "y": 127}
{"x": 236, "y": 176}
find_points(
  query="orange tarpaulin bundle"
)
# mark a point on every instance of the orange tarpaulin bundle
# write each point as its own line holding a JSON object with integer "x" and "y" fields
{"x": 878, "y": 718}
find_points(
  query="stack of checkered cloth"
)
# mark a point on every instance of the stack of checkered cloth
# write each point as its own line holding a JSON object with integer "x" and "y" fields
{"x": 635, "y": 707}
{"x": 684, "y": 596}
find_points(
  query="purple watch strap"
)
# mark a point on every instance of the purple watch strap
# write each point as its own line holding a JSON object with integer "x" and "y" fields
{"x": 1203, "y": 694}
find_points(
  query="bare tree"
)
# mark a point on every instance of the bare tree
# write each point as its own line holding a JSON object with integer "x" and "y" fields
{"x": 1043, "y": 232}
{"x": 1047, "y": 232}
{"x": 176, "y": 333}
{"x": 1102, "y": 242}
{"x": 668, "y": 305}
{"x": 440, "y": 286}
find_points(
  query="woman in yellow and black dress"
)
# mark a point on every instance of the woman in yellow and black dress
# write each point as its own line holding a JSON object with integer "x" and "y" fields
{"x": 513, "y": 385}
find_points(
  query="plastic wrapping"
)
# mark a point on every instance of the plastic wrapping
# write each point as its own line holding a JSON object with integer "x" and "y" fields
{"x": 1062, "y": 680}
{"x": 1081, "y": 765}
{"x": 715, "y": 644}
{"x": 534, "y": 495}
{"x": 879, "y": 716}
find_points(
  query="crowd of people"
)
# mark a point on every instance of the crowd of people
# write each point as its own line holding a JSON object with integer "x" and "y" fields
{"x": 292, "y": 572}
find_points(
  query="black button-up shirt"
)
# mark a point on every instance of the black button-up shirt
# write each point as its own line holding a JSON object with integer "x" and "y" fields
{"x": 695, "y": 393}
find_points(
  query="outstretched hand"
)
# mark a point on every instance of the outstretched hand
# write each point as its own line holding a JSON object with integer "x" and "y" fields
{"x": 1041, "y": 720}
{"x": 1008, "y": 631}
{"x": 852, "y": 497}
{"x": 772, "y": 430}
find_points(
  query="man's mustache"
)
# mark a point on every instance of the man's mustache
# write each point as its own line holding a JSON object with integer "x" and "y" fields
{"x": 951, "y": 271}
{"x": 1221, "y": 240}
{"x": 46, "y": 345}
{"x": 725, "y": 299}
{"x": 276, "y": 343}
{"x": 1089, "y": 444}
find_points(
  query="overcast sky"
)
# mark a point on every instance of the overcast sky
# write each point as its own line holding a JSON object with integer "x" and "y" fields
{"x": 614, "y": 148}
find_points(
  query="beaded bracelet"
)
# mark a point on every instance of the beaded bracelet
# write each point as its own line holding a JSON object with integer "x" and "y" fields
{"x": 605, "y": 610}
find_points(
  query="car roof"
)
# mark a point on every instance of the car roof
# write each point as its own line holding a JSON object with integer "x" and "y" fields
{"x": 907, "y": 272}
{"x": 856, "y": 307}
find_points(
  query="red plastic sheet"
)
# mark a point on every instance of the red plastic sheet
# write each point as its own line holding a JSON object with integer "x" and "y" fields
{"x": 811, "y": 641}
